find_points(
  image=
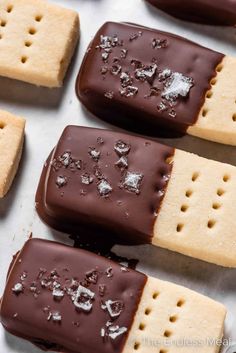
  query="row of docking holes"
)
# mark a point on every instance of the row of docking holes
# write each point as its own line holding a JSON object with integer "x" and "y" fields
{"x": 172, "y": 319}
{"x": 31, "y": 31}
{"x": 215, "y": 205}
{"x": 209, "y": 94}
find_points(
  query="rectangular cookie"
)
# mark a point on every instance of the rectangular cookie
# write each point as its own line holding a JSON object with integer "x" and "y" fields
{"x": 220, "y": 12}
{"x": 11, "y": 146}
{"x": 141, "y": 192}
{"x": 155, "y": 83}
{"x": 70, "y": 300}
{"x": 37, "y": 41}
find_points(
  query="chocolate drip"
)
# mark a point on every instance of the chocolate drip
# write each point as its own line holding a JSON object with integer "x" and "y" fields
{"x": 49, "y": 312}
{"x": 128, "y": 183}
{"x": 144, "y": 79}
{"x": 214, "y": 12}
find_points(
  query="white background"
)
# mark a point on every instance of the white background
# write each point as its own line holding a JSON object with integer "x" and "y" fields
{"x": 49, "y": 111}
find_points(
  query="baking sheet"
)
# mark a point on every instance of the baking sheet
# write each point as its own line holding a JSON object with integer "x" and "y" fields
{"x": 48, "y": 111}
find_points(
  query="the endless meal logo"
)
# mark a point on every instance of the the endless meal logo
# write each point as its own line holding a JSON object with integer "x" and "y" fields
{"x": 231, "y": 349}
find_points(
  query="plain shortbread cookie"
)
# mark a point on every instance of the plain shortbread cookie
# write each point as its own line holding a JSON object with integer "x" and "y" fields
{"x": 37, "y": 41}
{"x": 11, "y": 145}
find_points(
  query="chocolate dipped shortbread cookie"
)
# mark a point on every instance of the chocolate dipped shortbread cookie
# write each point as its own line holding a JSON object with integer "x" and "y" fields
{"x": 158, "y": 83}
{"x": 69, "y": 300}
{"x": 141, "y": 192}
{"x": 37, "y": 41}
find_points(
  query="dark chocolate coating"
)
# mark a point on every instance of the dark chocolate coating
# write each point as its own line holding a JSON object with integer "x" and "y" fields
{"x": 212, "y": 12}
{"x": 27, "y": 314}
{"x": 99, "y": 81}
{"x": 129, "y": 214}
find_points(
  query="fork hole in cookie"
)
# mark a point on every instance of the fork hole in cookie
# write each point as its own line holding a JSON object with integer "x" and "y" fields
{"x": 189, "y": 193}
{"x": 155, "y": 295}
{"x": 38, "y": 18}
{"x": 163, "y": 351}
{"x": 136, "y": 346}
{"x": 209, "y": 94}
{"x": 24, "y": 59}
{"x": 195, "y": 176}
{"x": 32, "y": 31}
{"x": 28, "y": 43}
{"x": 213, "y": 81}
{"x": 147, "y": 311}
{"x": 180, "y": 302}
{"x": 2, "y": 125}
{"x": 234, "y": 117}
{"x": 211, "y": 223}
{"x": 173, "y": 318}
{"x": 3, "y": 23}
{"x": 179, "y": 227}
{"x": 169, "y": 160}
{"x": 184, "y": 208}
{"x": 219, "y": 68}
{"x": 204, "y": 112}
{"x": 216, "y": 205}
{"x": 220, "y": 192}
{"x": 226, "y": 178}
{"x": 167, "y": 333}
{"x": 142, "y": 327}
{"x": 9, "y": 8}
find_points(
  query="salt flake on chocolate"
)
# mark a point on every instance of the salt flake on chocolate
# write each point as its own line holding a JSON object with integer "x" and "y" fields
{"x": 58, "y": 294}
{"x": 116, "y": 331}
{"x": 129, "y": 91}
{"x": 18, "y": 288}
{"x": 55, "y": 316}
{"x": 123, "y": 53}
{"x": 115, "y": 69}
{"x": 86, "y": 179}
{"x": 23, "y": 276}
{"x": 104, "y": 188}
{"x": 114, "y": 308}
{"x": 125, "y": 79}
{"x": 61, "y": 181}
{"x": 158, "y": 43}
{"x": 146, "y": 73}
{"x": 109, "y": 94}
{"x": 95, "y": 154}
{"x": 109, "y": 272}
{"x": 177, "y": 85}
{"x": 132, "y": 181}
{"x": 122, "y": 163}
{"x": 92, "y": 276}
{"x": 65, "y": 159}
{"x": 83, "y": 298}
{"x": 164, "y": 74}
{"x": 108, "y": 42}
{"x": 122, "y": 148}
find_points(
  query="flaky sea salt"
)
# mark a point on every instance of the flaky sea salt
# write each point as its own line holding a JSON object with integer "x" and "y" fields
{"x": 177, "y": 85}
{"x": 114, "y": 308}
{"x": 82, "y": 298}
{"x": 18, "y": 288}
{"x": 132, "y": 181}
{"x": 104, "y": 188}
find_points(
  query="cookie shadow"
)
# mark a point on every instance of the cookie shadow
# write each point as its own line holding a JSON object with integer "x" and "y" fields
{"x": 186, "y": 271}
{"x": 19, "y": 345}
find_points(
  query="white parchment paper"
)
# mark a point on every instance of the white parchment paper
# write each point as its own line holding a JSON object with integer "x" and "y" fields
{"x": 48, "y": 111}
